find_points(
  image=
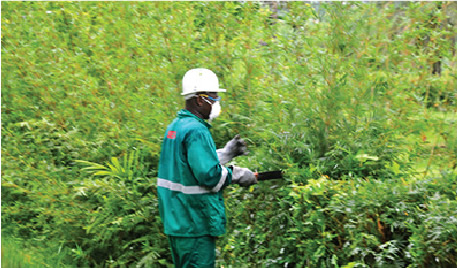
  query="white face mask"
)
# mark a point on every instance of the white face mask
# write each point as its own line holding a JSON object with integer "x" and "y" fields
{"x": 215, "y": 109}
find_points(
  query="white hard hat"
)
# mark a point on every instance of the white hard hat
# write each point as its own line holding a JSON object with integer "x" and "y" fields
{"x": 200, "y": 80}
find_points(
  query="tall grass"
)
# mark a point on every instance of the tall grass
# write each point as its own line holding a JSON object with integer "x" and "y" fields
{"x": 17, "y": 254}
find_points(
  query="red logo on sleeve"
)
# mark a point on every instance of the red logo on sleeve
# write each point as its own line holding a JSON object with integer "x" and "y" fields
{"x": 171, "y": 135}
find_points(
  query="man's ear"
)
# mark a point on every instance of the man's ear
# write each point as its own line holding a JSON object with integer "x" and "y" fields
{"x": 199, "y": 101}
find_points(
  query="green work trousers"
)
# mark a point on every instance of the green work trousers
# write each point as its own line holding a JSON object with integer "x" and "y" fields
{"x": 193, "y": 252}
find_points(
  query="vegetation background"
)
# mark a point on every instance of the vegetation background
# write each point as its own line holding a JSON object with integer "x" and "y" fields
{"x": 356, "y": 102}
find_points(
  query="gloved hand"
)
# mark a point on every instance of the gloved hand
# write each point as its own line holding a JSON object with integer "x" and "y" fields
{"x": 233, "y": 148}
{"x": 243, "y": 176}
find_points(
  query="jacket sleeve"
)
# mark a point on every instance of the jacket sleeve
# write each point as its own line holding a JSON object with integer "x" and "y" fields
{"x": 203, "y": 161}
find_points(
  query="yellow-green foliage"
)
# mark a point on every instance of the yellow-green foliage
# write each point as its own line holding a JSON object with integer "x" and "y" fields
{"x": 356, "y": 102}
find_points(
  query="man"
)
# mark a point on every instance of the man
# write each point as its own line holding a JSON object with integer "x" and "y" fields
{"x": 192, "y": 176}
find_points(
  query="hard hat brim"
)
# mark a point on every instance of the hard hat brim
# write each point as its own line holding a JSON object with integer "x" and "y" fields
{"x": 213, "y": 90}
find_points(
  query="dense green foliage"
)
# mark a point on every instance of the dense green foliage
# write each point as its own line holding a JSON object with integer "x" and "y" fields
{"x": 355, "y": 102}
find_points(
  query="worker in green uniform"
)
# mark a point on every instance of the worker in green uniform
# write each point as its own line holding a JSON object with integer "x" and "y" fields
{"x": 192, "y": 174}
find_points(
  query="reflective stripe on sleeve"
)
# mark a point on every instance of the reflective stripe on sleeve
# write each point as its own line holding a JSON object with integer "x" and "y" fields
{"x": 221, "y": 183}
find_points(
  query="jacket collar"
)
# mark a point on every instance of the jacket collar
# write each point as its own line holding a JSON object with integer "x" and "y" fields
{"x": 186, "y": 113}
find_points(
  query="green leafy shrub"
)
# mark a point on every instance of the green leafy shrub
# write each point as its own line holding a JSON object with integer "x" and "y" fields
{"x": 123, "y": 226}
{"x": 344, "y": 97}
{"x": 353, "y": 222}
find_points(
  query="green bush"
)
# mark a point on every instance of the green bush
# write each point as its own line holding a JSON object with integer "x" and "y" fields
{"x": 344, "y": 97}
{"x": 353, "y": 222}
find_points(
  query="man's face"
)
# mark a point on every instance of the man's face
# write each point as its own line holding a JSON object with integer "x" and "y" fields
{"x": 205, "y": 109}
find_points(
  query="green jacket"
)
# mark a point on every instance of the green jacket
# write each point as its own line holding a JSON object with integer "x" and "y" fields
{"x": 191, "y": 180}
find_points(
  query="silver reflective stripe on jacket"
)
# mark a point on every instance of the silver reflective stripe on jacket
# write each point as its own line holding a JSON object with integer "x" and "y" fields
{"x": 221, "y": 183}
{"x": 177, "y": 187}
